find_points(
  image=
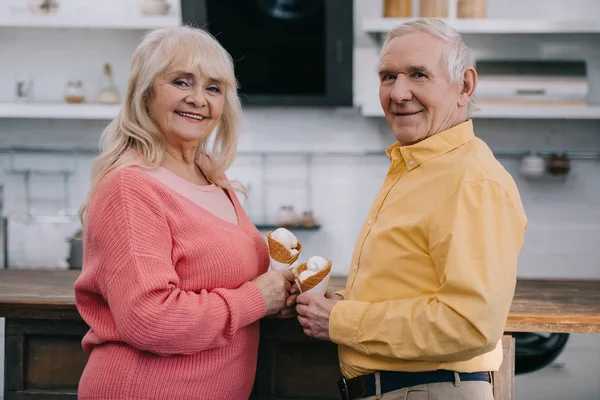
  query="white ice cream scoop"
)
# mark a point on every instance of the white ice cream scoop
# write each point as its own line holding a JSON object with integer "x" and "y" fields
{"x": 306, "y": 274}
{"x": 316, "y": 264}
{"x": 285, "y": 237}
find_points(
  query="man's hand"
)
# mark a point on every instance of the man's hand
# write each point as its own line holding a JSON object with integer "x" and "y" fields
{"x": 313, "y": 314}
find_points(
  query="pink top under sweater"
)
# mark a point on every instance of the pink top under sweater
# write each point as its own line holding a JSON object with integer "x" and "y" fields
{"x": 210, "y": 197}
{"x": 165, "y": 290}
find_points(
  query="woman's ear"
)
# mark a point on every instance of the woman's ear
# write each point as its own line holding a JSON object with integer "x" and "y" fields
{"x": 468, "y": 86}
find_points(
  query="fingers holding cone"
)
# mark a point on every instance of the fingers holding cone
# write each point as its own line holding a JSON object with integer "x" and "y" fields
{"x": 312, "y": 277}
{"x": 284, "y": 251}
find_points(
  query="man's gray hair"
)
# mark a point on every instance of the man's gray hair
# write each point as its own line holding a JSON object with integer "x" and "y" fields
{"x": 458, "y": 58}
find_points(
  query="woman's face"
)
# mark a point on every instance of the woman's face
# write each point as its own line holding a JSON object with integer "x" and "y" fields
{"x": 185, "y": 105}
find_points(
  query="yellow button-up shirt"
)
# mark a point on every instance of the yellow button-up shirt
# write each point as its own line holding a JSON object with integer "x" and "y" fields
{"x": 434, "y": 269}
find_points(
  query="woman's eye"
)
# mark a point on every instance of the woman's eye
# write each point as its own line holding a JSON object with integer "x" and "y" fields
{"x": 215, "y": 89}
{"x": 180, "y": 83}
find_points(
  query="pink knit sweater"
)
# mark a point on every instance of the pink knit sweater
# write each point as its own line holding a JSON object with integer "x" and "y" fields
{"x": 165, "y": 290}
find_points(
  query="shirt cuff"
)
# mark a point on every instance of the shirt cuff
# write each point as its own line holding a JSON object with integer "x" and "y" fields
{"x": 345, "y": 320}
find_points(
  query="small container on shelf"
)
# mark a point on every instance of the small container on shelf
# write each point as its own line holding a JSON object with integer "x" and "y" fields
{"x": 308, "y": 220}
{"x": 397, "y": 9}
{"x": 154, "y": 7}
{"x": 471, "y": 9}
{"x": 108, "y": 93}
{"x": 287, "y": 216}
{"x": 558, "y": 164}
{"x": 533, "y": 166}
{"x": 433, "y": 8}
{"x": 74, "y": 93}
{"x": 44, "y": 7}
{"x": 24, "y": 90}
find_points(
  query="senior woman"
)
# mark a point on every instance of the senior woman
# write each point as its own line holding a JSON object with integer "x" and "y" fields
{"x": 175, "y": 276}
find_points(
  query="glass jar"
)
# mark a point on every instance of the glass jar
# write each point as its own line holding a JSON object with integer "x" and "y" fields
{"x": 471, "y": 9}
{"x": 397, "y": 9}
{"x": 287, "y": 216}
{"x": 434, "y": 9}
{"x": 74, "y": 93}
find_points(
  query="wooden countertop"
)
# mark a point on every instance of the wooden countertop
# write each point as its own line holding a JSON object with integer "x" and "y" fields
{"x": 38, "y": 294}
{"x": 540, "y": 305}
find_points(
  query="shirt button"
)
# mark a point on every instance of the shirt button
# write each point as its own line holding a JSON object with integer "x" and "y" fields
{"x": 370, "y": 222}
{"x": 354, "y": 268}
{"x": 411, "y": 162}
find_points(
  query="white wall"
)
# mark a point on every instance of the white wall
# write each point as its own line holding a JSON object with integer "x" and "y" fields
{"x": 564, "y": 216}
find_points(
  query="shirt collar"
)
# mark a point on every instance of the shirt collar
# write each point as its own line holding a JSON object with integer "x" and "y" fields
{"x": 433, "y": 146}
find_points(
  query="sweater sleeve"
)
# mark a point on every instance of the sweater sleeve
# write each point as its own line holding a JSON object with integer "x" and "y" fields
{"x": 131, "y": 242}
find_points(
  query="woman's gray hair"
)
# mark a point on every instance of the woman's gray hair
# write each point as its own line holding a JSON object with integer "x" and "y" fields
{"x": 458, "y": 58}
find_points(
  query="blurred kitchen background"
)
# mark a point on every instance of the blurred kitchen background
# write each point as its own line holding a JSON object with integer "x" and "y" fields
{"x": 312, "y": 149}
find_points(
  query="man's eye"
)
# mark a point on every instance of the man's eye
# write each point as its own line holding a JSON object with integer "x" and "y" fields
{"x": 419, "y": 75}
{"x": 388, "y": 77}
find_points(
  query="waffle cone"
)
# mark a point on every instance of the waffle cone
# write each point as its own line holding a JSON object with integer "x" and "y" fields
{"x": 311, "y": 281}
{"x": 279, "y": 252}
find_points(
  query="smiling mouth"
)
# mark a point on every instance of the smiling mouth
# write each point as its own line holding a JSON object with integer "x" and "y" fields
{"x": 189, "y": 115}
{"x": 406, "y": 114}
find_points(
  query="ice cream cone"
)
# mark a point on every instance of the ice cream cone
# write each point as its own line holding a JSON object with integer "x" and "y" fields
{"x": 280, "y": 253}
{"x": 312, "y": 281}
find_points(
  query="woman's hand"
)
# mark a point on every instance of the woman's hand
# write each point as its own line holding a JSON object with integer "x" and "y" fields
{"x": 290, "y": 304}
{"x": 275, "y": 287}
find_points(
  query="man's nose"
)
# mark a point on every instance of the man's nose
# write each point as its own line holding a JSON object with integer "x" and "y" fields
{"x": 401, "y": 91}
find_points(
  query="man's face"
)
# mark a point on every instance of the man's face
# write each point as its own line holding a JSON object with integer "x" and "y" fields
{"x": 415, "y": 92}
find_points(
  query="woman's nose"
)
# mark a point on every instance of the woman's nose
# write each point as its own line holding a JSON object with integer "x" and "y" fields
{"x": 198, "y": 98}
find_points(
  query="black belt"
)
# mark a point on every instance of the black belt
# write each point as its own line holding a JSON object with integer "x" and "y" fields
{"x": 364, "y": 386}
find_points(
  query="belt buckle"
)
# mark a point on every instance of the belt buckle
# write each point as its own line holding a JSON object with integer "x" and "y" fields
{"x": 343, "y": 387}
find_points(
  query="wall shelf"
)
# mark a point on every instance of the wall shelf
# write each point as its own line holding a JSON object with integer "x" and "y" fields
{"x": 88, "y": 21}
{"x": 381, "y": 26}
{"x": 85, "y": 111}
{"x": 518, "y": 112}
{"x": 272, "y": 227}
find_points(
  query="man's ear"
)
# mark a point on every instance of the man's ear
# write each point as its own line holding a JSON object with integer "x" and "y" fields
{"x": 468, "y": 86}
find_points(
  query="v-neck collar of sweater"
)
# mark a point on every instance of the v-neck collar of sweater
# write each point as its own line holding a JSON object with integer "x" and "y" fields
{"x": 174, "y": 193}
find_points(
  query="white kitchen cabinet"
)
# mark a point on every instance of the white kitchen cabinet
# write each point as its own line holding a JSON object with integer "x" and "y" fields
{"x": 71, "y": 45}
{"x": 508, "y": 33}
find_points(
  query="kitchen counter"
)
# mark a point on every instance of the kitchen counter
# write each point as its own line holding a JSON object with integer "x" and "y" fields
{"x": 44, "y": 331}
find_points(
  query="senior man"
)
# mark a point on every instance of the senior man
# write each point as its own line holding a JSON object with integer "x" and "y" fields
{"x": 434, "y": 269}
